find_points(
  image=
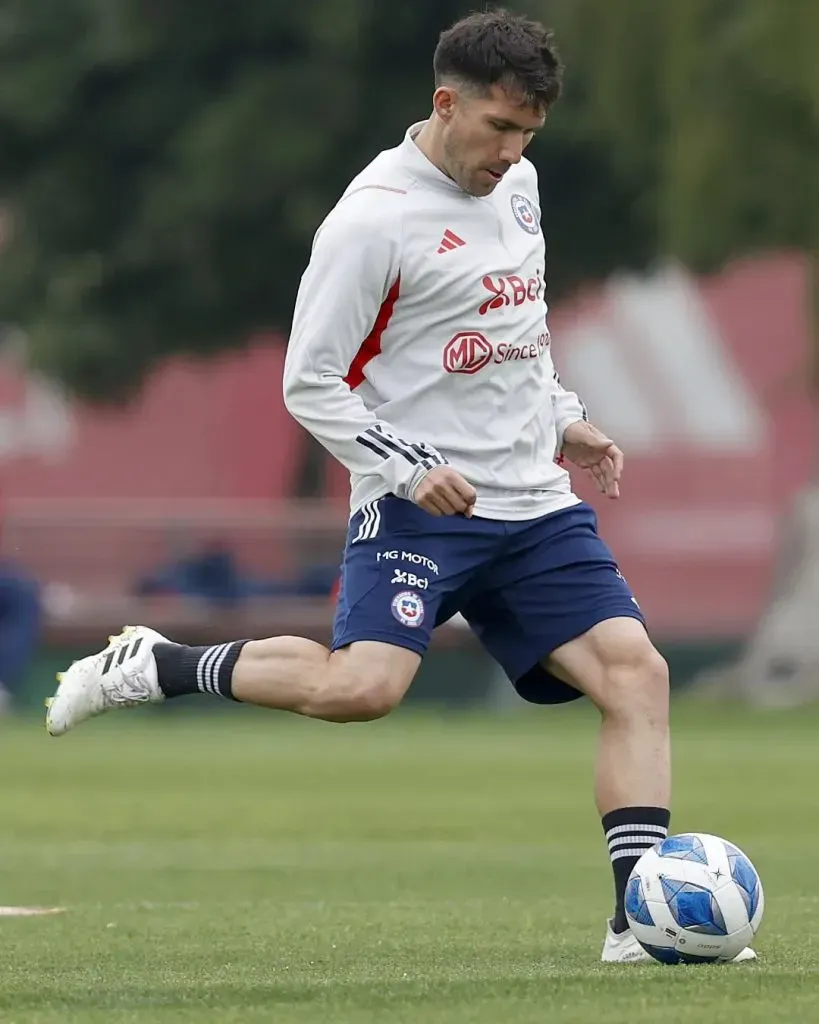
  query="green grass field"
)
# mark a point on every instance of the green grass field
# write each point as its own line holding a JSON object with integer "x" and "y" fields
{"x": 442, "y": 870}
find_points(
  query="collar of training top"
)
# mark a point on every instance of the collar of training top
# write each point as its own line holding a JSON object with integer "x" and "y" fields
{"x": 421, "y": 165}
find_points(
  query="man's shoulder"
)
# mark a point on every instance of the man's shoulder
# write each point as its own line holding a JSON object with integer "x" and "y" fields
{"x": 385, "y": 173}
{"x": 524, "y": 176}
{"x": 376, "y": 198}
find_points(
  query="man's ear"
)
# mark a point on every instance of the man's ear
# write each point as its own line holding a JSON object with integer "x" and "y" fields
{"x": 445, "y": 101}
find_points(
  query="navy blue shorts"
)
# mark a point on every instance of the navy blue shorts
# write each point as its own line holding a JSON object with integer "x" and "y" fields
{"x": 525, "y": 588}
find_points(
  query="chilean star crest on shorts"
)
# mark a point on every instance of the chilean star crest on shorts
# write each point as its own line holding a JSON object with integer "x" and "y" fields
{"x": 408, "y": 608}
{"x": 525, "y": 214}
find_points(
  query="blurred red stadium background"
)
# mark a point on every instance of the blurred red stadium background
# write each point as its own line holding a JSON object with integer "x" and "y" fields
{"x": 93, "y": 496}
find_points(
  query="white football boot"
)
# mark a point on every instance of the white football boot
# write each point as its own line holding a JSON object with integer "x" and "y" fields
{"x": 623, "y": 948}
{"x": 121, "y": 676}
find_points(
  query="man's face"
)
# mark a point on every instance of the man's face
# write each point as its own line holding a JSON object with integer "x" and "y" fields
{"x": 484, "y": 134}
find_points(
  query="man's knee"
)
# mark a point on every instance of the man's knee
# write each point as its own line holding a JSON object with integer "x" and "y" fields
{"x": 635, "y": 681}
{"x": 370, "y": 698}
{"x": 365, "y": 682}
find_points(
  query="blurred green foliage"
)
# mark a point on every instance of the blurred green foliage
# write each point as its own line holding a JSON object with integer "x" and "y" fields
{"x": 164, "y": 164}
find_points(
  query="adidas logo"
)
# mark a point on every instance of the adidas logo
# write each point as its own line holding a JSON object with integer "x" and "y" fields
{"x": 127, "y": 650}
{"x": 450, "y": 241}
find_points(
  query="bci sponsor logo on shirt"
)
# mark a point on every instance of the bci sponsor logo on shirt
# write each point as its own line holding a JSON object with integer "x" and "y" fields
{"x": 510, "y": 290}
{"x": 470, "y": 351}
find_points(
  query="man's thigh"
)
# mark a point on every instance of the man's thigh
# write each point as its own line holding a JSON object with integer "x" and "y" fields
{"x": 556, "y": 581}
{"x": 588, "y": 661}
{"x": 402, "y": 571}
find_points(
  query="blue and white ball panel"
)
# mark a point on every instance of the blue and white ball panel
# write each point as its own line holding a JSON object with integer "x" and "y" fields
{"x": 694, "y": 907}
{"x": 747, "y": 880}
{"x": 684, "y": 847}
{"x": 694, "y": 898}
{"x": 636, "y": 905}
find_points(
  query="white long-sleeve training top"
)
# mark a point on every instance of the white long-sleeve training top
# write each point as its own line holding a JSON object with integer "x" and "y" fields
{"x": 419, "y": 338}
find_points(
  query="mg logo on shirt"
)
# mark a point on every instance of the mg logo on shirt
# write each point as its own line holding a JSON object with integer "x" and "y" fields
{"x": 470, "y": 351}
{"x": 467, "y": 352}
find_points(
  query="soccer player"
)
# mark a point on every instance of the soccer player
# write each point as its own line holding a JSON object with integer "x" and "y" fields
{"x": 420, "y": 358}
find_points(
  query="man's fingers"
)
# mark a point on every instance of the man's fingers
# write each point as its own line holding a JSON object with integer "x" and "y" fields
{"x": 449, "y": 502}
{"x": 616, "y": 458}
{"x": 445, "y": 492}
{"x": 599, "y": 477}
{"x": 603, "y": 474}
{"x": 464, "y": 490}
{"x": 609, "y": 475}
{"x": 437, "y": 504}
{"x": 459, "y": 498}
{"x": 613, "y": 466}
{"x": 461, "y": 494}
{"x": 448, "y": 493}
{"x": 428, "y": 506}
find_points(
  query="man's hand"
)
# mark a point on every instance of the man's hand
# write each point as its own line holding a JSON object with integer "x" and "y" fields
{"x": 590, "y": 449}
{"x": 444, "y": 492}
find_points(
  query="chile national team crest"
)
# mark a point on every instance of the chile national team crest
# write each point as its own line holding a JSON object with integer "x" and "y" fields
{"x": 408, "y": 608}
{"x": 525, "y": 213}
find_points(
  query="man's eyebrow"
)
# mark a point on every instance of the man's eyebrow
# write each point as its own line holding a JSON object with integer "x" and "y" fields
{"x": 512, "y": 124}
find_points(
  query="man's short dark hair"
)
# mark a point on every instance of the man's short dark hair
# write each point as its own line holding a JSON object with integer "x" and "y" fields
{"x": 498, "y": 47}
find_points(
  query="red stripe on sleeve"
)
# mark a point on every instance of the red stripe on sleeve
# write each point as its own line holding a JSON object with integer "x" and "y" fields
{"x": 371, "y": 346}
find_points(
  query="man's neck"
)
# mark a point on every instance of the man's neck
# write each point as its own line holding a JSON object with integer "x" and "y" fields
{"x": 430, "y": 141}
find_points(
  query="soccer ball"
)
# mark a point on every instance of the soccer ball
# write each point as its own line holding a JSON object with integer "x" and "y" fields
{"x": 694, "y": 898}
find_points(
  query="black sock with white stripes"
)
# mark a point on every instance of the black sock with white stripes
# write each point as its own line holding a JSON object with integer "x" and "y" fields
{"x": 182, "y": 670}
{"x": 630, "y": 831}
